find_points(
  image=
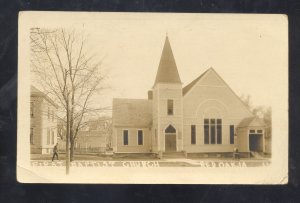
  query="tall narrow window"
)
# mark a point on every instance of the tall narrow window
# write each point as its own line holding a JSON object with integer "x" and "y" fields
{"x": 140, "y": 137}
{"x": 125, "y": 137}
{"x": 31, "y": 109}
{"x": 212, "y": 131}
{"x": 31, "y": 135}
{"x": 170, "y": 107}
{"x": 231, "y": 134}
{"x": 219, "y": 131}
{"x": 193, "y": 134}
{"x": 52, "y": 137}
{"x": 48, "y": 136}
{"x": 206, "y": 131}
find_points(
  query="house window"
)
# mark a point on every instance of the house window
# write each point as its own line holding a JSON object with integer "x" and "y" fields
{"x": 219, "y": 131}
{"x": 125, "y": 137}
{"x": 206, "y": 131}
{"x": 252, "y": 131}
{"x": 193, "y": 134}
{"x": 31, "y": 109}
{"x": 212, "y": 131}
{"x": 52, "y": 137}
{"x": 259, "y": 131}
{"x": 31, "y": 135}
{"x": 140, "y": 137}
{"x": 170, "y": 107}
{"x": 231, "y": 134}
{"x": 48, "y": 136}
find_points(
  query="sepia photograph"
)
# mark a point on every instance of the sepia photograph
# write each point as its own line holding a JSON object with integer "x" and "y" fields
{"x": 175, "y": 98}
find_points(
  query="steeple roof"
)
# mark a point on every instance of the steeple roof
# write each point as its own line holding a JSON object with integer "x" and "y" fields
{"x": 167, "y": 70}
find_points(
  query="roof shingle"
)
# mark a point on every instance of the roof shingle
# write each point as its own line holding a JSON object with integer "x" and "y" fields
{"x": 132, "y": 112}
{"x": 167, "y": 70}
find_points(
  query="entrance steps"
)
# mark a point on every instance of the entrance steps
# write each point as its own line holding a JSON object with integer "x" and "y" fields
{"x": 257, "y": 155}
{"x": 173, "y": 155}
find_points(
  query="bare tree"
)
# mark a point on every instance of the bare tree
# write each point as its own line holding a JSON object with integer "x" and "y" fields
{"x": 69, "y": 75}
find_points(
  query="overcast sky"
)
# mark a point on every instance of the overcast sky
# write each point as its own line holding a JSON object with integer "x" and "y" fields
{"x": 246, "y": 50}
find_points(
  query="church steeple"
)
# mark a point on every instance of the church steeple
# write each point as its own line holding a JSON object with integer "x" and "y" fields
{"x": 167, "y": 70}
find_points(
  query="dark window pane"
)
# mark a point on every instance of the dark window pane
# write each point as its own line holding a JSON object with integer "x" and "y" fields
{"x": 170, "y": 129}
{"x": 125, "y": 137}
{"x": 206, "y": 131}
{"x": 212, "y": 131}
{"x": 206, "y": 121}
{"x": 140, "y": 137}
{"x": 219, "y": 131}
{"x": 259, "y": 131}
{"x": 252, "y": 131}
{"x": 193, "y": 134}
{"x": 231, "y": 134}
{"x": 31, "y": 135}
{"x": 170, "y": 107}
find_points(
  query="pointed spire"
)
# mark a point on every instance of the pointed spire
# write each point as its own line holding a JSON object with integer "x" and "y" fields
{"x": 167, "y": 70}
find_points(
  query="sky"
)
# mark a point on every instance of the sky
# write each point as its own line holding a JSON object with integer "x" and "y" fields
{"x": 247, "y": 51}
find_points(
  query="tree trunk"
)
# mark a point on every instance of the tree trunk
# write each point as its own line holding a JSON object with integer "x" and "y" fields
{"x": 72, "y": 143}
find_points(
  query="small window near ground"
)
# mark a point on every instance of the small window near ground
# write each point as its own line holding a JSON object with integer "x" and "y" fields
{"x": 125, "y": 137}
{"x": 140, "y": 137}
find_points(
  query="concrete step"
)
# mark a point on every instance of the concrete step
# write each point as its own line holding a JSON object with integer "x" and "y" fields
{"x": 173, "y": 155}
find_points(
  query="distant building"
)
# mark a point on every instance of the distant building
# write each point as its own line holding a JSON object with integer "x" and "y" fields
{"x": 95, "y": 136}
{"x": 43, "y": 122}
{"x": 205, "y": 116}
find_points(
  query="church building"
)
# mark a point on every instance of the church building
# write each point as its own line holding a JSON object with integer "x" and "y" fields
{"x": 204, "y": 117}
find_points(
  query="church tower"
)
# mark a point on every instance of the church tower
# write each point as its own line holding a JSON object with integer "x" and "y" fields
{"x": 167, "y": 123}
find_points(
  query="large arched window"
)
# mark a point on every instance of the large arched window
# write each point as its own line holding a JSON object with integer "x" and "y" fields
{"x": 170, "y": 129}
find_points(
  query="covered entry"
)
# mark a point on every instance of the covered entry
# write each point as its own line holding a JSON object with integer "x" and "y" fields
{"x": 256, "y": 141}
{"x": 170, "y": 139}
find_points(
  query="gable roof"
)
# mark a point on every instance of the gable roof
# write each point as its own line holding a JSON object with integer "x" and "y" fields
{"x": 36, "y": 92}
{"x": 167, "y": 70}
{"x": 251, "y": 122}
{"x": 191, "y": 84}
{"x": 187, "y": 88}
{"x": 132, "y": 112}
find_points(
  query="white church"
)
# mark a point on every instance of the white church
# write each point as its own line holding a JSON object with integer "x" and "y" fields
{"x": 203, "y": 118}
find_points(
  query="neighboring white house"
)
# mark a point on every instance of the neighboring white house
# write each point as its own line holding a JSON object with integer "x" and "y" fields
{"x": 43, "y": 122}
{"x": 205, "y": 116}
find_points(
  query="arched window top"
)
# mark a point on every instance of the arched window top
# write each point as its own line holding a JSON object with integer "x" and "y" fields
{"x": 170, "y": 129}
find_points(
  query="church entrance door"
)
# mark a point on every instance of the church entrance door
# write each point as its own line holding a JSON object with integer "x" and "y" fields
{"x": 170, "y": 142}
{"x": 170, "y": 139}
